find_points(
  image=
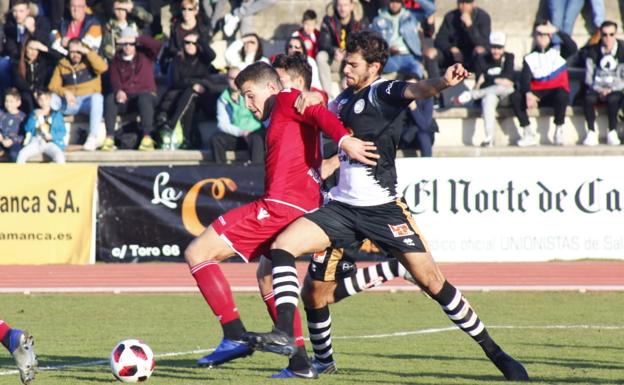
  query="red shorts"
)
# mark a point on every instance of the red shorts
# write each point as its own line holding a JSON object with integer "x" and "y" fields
{"x": 250, "y": 229}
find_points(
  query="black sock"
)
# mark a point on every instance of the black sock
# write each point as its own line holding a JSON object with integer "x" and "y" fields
{"x": 285, "y": 289}
{"x": 463, "y": 315}
{"x": 233, "y": 330}
{"x": 299, "y": 361}
{"x": 319, "y": 327}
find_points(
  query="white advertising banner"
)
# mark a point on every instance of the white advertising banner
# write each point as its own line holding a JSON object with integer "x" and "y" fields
{"x": 517, "y": 208}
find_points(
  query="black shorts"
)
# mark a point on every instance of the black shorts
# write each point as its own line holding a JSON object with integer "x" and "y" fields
{"x": 389, "y": 225}
{"x": 333, "y": 264}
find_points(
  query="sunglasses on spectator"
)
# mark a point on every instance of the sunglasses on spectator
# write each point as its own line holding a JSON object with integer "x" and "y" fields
{"x": 295, "y": 46}
{"x": 127, "y": 44}
{"x": 607, "y": 34}
{"x": 120, "y": 9}
{"x": 188, "y": 42}
{"x": 188, "y": 9}
{"x": 541, "y": 34}
{"x": 253, "y": 42}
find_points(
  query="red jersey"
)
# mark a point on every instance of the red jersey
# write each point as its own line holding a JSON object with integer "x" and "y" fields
{"x": 310, "y": 41}
{"x": 293, "y": 150}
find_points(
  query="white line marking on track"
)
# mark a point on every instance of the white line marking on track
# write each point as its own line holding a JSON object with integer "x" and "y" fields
{"x": 386, "y": 335}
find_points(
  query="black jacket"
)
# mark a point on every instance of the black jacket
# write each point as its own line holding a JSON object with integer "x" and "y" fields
{"x": 176, "y": 41}
{"x": 492, "y": 69}
{"x": 12, "y": 47}
{"x": 453, "y": 32}
{"x": 190, "y": 71}
{"x": 37, "y": 74}
{"x": 331, "y": 30}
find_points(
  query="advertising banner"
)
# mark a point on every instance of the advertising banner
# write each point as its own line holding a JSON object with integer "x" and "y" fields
{"x": 46, "y": 213}
{"x": 153, "y": 213}
{"x": 517, "y": 208}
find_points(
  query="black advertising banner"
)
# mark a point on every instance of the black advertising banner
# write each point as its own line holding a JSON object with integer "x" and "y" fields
{"x": 152, "y": 213}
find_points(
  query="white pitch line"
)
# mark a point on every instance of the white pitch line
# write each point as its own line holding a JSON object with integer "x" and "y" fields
{"x": 368, "y": 336}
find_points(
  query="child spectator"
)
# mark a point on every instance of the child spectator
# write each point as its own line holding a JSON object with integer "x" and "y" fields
{"x": 11, "y": 124}
{"x": 308, "y": 33}
{"x": 45, "y": 131}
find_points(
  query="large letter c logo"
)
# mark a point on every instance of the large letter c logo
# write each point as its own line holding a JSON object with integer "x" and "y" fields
{"x": 190, "y": 220}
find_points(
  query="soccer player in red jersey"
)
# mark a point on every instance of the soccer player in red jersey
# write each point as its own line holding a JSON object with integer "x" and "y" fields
{"x": 292, "y": 188}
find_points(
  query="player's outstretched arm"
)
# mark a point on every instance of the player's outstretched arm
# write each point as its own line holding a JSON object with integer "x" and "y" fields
{"x": 359, "y": 150}
{"x": 425, "y": 89}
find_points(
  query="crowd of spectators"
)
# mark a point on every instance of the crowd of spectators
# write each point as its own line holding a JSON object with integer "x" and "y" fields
{"x": 110, "y": 61}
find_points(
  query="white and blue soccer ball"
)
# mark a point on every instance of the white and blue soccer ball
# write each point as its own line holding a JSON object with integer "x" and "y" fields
{"x": 132, "y": 360}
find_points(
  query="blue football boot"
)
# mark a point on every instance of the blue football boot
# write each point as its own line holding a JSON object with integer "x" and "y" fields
{"x": 307, "y": 374}
{"x": 323, "y": 368}
{"x": 21, "y": 347}
{"x": 227, "y": 350}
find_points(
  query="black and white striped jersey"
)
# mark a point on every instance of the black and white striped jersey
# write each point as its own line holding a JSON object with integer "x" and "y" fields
{"x": 373, "y": 114}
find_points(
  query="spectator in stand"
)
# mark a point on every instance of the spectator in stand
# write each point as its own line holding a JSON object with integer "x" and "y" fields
{"x": 11, "y": 119}
{"x": 188, "y": 24}
{"x": 563, "y": 14}
{"x": 604, "y": 76}
{"x": 133, "y": 87}
{"x": 125, "y": 14}
{"x": 544, "y": 81}
{"x": 338, "y": 24}
{"x": 495, "y": 81}
{"x": 244, "y": 15}
{"x": 22, "y": 24}
{"x": 45, "y": 132}
{"x": 400, "y": 28}
{"x": 214, "y": 10}
{"x": 309, "y": 33}
{"x": 77, "y": 88}
{"x": 191, "y": 70}
{"x": 245, "y": 51}
{"x": 296, "y": 45}
{"x": 238, "y": 128}
{"x": 420, "y": 126}
{"x": 463, "y": 35}
{"x": 32, "y": 71}
{"x": 83, "y": 26}
{"x": 4, "y": 8}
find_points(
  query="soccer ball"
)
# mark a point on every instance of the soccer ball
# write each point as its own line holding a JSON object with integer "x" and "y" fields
{"x": 132, "y": 361}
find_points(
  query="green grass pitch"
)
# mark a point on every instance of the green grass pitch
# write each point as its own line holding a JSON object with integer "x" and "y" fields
{"x": 561, "y": 337}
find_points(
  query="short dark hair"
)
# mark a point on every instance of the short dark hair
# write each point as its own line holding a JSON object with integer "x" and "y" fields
{"x": 74, "y": 40}
{"x": 309, "y": 14}
{"x": 608, "y": 23}
{"x": 19, "y": 2}
{"x": 14, "y": 92}
{"x": 295, "y": 65}
{"x": 539, "y": 22}
{"x": 258, "y": 72}
{"x": 372, "y": 47}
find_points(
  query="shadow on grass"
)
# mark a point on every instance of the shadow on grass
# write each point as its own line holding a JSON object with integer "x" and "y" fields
{"x": 574, "y": 364}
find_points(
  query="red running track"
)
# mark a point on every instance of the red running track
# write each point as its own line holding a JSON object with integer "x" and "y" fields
{"x": 175, "y": 277}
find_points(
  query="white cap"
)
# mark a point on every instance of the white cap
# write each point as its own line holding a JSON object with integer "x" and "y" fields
{"x": 497, "y": 39}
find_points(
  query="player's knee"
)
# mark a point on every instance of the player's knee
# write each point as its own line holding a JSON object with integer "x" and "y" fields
{"x": 314, "y": 297}
{"x": 193, "y": 254}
